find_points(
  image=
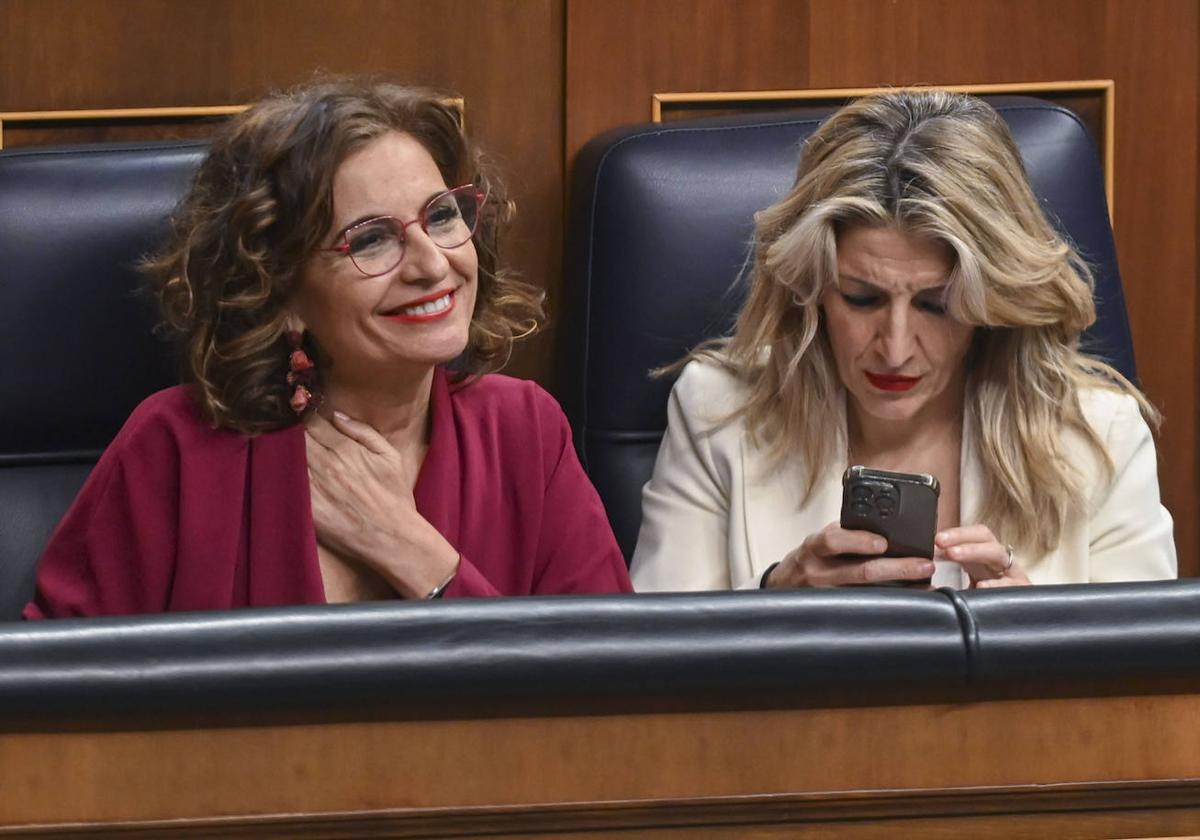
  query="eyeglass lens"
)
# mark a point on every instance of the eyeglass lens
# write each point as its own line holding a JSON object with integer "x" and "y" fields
{"x": 449, "y": 220}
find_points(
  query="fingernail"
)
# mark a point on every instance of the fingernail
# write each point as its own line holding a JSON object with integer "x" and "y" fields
{"x": 880, "y": 545}
{"x": 340, "y": 416}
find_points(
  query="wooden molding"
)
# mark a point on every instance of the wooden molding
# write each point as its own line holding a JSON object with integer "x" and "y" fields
{"x": 1104, "y": 88}
{"x": 958, "y": 768}
{"x": 1138, "y": 805}
{"x": 182, "y": 113}
{"x": 116, "y": 115}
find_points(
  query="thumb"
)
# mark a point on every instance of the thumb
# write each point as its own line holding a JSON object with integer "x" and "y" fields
{"x": 361, "y": 432}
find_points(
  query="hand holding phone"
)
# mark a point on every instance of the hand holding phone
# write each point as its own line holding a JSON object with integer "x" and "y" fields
{"x": 900, "y": 507}
{"x": 835, "y": 556}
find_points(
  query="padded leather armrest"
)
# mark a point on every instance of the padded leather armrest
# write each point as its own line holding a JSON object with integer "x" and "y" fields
{"x": 701, "y": 646}
{"x": 704, "y": 645}
{"x": 1082, "y": 631}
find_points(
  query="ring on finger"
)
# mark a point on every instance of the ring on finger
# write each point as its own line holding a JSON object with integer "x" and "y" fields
{"x": 1009, "y": 562}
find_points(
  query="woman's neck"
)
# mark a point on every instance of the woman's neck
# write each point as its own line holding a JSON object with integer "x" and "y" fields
{"x": 397, "y": 408}
{"x": 884, "y": 442}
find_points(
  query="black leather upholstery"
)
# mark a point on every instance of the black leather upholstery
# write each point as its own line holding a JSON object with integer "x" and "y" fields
{"x": 660, "y": 222}
{"x": 1125, "y": 631}
{"x": 740, "y": 646}
{"x": 33, "y": 497}
{"x": 76, "y": 348}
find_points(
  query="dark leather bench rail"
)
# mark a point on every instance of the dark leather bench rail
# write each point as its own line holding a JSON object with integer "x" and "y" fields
{"x": 741, "y": 645}
{"x": 1105, "y": 632}
{"x": 476, "y": 651}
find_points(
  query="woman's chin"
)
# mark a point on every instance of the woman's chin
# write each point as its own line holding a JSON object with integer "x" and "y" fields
{"x": 433, "y": 356}
{"x": 890, "y": 407}
{"x": 428, "y": 346}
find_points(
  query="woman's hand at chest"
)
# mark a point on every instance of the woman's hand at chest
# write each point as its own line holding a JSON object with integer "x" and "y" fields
{"x": 363, "y": 506}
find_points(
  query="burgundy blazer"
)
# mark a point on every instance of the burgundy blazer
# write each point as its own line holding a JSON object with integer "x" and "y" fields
{"x": 179, "y": 516}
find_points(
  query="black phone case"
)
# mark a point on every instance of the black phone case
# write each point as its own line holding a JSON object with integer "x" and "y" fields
{"x": 901, "y": 507}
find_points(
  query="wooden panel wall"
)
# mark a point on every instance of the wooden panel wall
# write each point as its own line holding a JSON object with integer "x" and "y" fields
{"x": 1149, "y": 47}
{"x": 540, "y": 77}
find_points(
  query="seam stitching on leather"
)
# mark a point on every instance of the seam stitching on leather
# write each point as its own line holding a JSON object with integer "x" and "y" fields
{"x": 969, "y": 629}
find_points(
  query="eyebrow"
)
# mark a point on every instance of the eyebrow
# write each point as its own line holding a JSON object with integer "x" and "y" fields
{"x": 940, "y": 287}
{"x": 372, "y": 216}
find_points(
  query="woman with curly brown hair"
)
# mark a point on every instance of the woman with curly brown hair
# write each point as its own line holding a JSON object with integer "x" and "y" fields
{"x": 333, "y": 283}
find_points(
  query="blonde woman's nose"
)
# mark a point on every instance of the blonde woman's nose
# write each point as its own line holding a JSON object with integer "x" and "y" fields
{"x": 896, "y": 337}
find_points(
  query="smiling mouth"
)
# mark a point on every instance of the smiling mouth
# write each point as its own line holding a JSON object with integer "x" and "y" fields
{"x": 426, "y": 309}
{"x": 886, "y": 382}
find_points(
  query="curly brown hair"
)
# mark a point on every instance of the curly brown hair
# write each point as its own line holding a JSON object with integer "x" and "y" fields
{"x": 260, "y": 203}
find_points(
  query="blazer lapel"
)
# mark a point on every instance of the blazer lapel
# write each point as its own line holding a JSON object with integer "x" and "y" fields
{"x": 437, "y": 490}
{"x": 776, "y": 516}
{"x": 970, "y": 501}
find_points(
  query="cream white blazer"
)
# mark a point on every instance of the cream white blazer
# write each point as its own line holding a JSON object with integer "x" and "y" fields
{"x": 715, "y": 516}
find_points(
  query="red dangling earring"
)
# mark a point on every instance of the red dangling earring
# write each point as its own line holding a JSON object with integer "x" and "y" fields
{"x": 300, "y": 374}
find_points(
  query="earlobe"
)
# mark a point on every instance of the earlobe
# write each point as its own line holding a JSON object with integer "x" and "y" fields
{"x": 294, "y": 323}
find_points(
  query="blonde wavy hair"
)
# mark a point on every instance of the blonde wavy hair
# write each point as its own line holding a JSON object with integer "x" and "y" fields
{"x": 941, "y": 165}
{"x": 261, "y": 202}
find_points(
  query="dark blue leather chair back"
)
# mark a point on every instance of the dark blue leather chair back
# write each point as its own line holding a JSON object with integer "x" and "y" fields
{"x": 660, "y": 224}
{"x": 77, "y": 351}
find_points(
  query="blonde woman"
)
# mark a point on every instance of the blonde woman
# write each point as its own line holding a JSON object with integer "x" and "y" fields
{"x": 910, "y": 309}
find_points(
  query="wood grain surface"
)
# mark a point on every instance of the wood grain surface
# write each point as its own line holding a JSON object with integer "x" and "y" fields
{"x": 766, "y": 768}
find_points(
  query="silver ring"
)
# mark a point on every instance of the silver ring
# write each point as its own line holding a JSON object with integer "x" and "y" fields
{"x": 1008, "y": 563}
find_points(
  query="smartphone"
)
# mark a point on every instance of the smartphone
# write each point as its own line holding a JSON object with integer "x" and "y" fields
{"x": 900, "y": 507}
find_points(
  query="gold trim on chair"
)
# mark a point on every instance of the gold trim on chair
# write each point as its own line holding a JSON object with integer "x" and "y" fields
{"x": 1104, "y": 88}
{"x": 182, "y": 113}
{"x": 116, "y": 115}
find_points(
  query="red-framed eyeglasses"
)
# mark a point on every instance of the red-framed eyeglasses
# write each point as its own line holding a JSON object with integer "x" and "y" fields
{"x": 376, "y": 246}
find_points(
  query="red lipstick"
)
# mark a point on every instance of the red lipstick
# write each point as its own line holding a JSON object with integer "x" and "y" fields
{"x": 889, "y": 382}
{"x": 398, "y": 314}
